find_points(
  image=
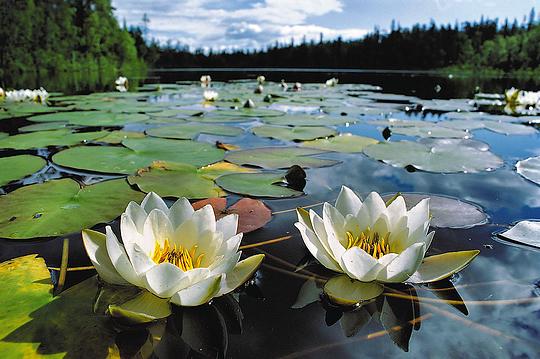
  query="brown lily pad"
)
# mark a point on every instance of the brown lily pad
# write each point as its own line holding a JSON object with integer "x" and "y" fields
{"x": 252, "y": 213}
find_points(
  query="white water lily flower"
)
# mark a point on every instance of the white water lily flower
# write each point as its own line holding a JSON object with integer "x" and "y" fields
{"x": 205, "y": 80}
{"x": 177, "y": 254}
{"x": 210, "y": 95}
{"x": 38, "y": 96}
{"x": 369, "y": 241}
{"x": 2, "y": 93}
{"x": 332, "y": 82}
{"x": 261, "y": 80}
{"x": 122, "y": 81}
{"x": 297, "y": 86}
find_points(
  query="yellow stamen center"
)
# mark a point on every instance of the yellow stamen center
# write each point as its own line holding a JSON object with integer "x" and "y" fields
{"x": 371, "y": 242}
{"x": 177, "y": 255}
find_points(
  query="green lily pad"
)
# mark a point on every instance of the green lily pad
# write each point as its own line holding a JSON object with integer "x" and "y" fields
{"x": 190, "y": 131}
{"x": 298, "y": 133}
{"x": 138, "y": 153}
{"x": 42, "y": 139}
{"x": 441, "y": 266}
{"x": 343, "y": 290}
{"x": 61, "y": 207}
{"x": 438, "y": 156}
{"x": 267, "y": 184}
{"x": 180, "y": 180}
{"x": 91, "y": 118}
{"x": 3, "y": 134}
{"x": 16, "y": 167}
{"x": 308, "y": 120}
{"x": 211, "y": 117}
{"x": 45, "y": 126}
{"x": 524, "y": 232}
{"x": 432, "y": 131}
{"x": 345, "y": 143}
{"x": 279, "y": 157}
{"x": 116, "y": 137}
{"x": 250, "y": 112}
{"x": 530, "y": 169}
{"x": 504, "y": 128}
{"x": 39, "y": 324}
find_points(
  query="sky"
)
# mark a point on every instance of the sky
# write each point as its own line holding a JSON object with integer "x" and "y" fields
{"x": 237, "y": 24}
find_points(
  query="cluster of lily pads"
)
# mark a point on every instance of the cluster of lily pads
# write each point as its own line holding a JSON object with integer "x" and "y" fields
{"x": 81, "y": 160}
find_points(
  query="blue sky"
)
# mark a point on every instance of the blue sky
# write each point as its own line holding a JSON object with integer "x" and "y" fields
{"x": 254, "y": 24}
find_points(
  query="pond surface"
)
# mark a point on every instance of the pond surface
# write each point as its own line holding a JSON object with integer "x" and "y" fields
{"x": 491, "y": 309}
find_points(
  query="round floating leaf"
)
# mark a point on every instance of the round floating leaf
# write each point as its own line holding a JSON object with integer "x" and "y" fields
{"x": 26, "y": 287}
{"x": 432, "y": 131}
{"x": 307, "y": 120}
{"x": 16, "y": 167}
{"x": 90, "y": 118}
{"x": 3, "y": 134}
{"x": 211, "y": 117}
{"x": 190, "y": 131}
{"x": 45, "y": 126}
{"x": 43, "y": 139}
{"x": 300, "y": 133}
{"x": 441, "y": 266}
{"x": 499, "y": 127}
{"x": 176, "y": 180}
{"x": 61, "y": 207}
{"x": 116, "y": 137}
{"x": 138, "y": 153}
{"x": 524, "y": 232}
{"x": 445, "y": 156}
{"x": 279, "y": 157}
{"x": 343, "y": 290}
{"x": 250, "y": 112}
{"x": 268, "y": 184}
{"x": 346, "y": 143}
{"x": 252, "y": 214}
{"x": 447, "y": 212}
{"x": 530, "y": 169}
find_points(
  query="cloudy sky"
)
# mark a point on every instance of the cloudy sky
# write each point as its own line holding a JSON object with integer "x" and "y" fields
{"x": 254, "y": 24}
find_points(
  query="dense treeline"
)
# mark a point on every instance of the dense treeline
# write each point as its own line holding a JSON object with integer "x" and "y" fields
{"x": 39, "y": 37}
{"x": 483, "y": 44}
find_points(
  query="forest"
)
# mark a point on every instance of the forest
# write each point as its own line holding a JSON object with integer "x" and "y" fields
{"x": 485, "y": 45}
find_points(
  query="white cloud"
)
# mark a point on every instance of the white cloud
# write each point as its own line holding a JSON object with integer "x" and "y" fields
{"x": 234, "y": 24}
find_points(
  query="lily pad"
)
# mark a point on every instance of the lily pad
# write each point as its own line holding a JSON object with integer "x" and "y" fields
{"x": 181, "y": 180}
{"x": 530, "y": 169}
{"x": 252, "y": 214}
{"x": 297, "y": 133}
{"x": 279, "y": 157}
{"x": 346, "y": 143}
{"x": 447, "y": 212}
{"x": 190, "y": 131}
{"x": 308, "y": 120}
{"x": 16, "y": 167}
{"x": 59, "y": 207}
{"x": 445, "y": 156}
{"x": 138, "y": 153}
{"x": 343, "y": 290}
{"x": 116, "y": 137}
{"x": 45, "y": 126}
{"x": 248, "y": 112}
{"x": 42, "y": 139}
{"x": 267, "y": 184}
{"x": 90, "y": 118}
{"x": 504, "y": 128}
{"x": 432, "y": 131}
{"x": 524, "y": 232}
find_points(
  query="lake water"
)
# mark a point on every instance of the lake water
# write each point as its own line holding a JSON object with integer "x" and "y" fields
{"x": 491, "y": 309}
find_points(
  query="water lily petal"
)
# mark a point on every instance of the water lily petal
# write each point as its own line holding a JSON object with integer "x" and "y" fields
{"x": 315, "y": 247}
{"x": 241, "y": 272}
{"x": 227, "y": 225}
{"x": 131, "y": 236}
{"x": 396, "y": 211}
{"x": 158, "y": 227}
{"x": 205, "y": 219}
{"x": 186, "y": 234}
{"x": 348, "y": 202}
{"x": 418, "y": 215}
{"x": 360, "y": 265}
{"x": 224, "y": 265}
{"x": 196, "y": 275}
{"x": 140, "y": 259}
{"x": 334, "y": 223}
{"x": 165, "y": 279}
{"x": 96, "y": 248}
{"x": 317, "y": 226}
{"x": 375, "y": 206}
{"x": 363, "y": 217}
{"x": 398, "y": 237}
{"x": 404, "y": 265}
{"x": 230, "y": 246}
{"x": 304, "y": 217}
{"x": 153, "y": 201}
{"x": 144, "y": 308}
{"x": 343, "y": 290}
{"x": 180, "y": 212}
{"x": 137, "y": 214}
{"x": 441, "y": 266}
{"x": 119, "y": 258}
{"x": 199, "y": 293}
